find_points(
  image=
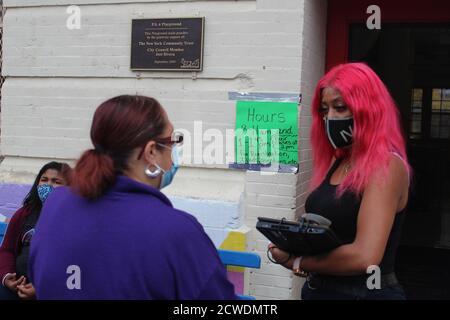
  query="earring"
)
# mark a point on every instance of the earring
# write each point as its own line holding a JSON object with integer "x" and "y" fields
{"x": 152, "y": 174}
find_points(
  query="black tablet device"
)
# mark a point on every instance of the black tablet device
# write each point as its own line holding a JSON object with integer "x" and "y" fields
{"x": 306, "y": 237}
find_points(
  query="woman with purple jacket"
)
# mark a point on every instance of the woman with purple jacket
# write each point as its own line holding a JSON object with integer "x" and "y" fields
{"x": 113, "y": 234}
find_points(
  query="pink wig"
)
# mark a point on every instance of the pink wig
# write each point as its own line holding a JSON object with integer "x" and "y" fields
{"x": 377, "y": 132}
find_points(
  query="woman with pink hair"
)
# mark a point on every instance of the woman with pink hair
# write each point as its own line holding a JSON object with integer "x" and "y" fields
{"x": 360, "y": 182}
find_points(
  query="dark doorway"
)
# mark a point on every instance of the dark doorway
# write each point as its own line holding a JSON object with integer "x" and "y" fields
{"x": 413, "y": 60}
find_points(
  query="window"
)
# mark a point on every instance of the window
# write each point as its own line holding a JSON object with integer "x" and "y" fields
{"x": 430, "y": 113}
{"x": 440, "y": 114}
{"x": 416, "y": 114}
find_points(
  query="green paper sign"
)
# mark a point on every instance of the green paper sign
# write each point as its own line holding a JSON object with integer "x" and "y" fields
{"x": 266, "y": 132}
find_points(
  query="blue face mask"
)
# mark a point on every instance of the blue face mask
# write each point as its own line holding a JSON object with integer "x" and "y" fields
{"x": 44, "y": 191}
{"x": 168, "y": 175}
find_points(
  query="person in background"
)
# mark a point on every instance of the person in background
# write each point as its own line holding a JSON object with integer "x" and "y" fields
{"x": 360, "y": 182}
{"x": 15, "y": 248}
{"x": 113, "y": 234}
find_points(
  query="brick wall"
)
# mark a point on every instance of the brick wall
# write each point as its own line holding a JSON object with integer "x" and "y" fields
{"x": 284, "y": 195}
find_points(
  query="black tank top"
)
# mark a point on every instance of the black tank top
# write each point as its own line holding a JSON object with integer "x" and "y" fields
{"x": 343, "y": 213}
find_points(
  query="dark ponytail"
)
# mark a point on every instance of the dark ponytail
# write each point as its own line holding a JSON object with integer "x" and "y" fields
{"x": 119, "y": 126}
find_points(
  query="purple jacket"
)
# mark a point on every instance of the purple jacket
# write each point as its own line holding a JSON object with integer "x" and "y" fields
{"x": 129, "y": 244}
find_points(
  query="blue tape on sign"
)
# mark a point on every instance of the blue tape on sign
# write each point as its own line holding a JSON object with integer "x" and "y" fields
{"x": 265, "y": 96}
{"x": 281, "y": 168}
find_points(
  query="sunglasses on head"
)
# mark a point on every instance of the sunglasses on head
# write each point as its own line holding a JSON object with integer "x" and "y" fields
{"x": 176, "y": 139}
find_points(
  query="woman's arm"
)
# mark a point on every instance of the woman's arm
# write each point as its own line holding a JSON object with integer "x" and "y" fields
{"x": 8, "y": 250}
{"x": 380, "y": 202}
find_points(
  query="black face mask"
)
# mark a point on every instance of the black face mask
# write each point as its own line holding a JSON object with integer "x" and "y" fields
{"x": 339, "y": 132}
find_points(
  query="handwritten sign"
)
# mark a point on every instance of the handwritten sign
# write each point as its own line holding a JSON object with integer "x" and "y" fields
{"x": 266, "y": 132}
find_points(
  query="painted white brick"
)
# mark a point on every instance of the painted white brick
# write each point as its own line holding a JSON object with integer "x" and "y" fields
{"x": 270, "y": 292}
{"x": 269, "y": 268}
{"x": 274, "y": 281}
{"x": 270, "y": 189}
{"x": 305, "y": 154}
{"x": 313, "y": 51}
{"x": 305, "y": 175}
{"x": 261, "y": 245}
{"x": 25, "y": 3}
{"x": 47, "y": 48}
{"x": 278, "y": 178}
{"x": 275, "y": 201}
{"x": 280, "y": 4}
{"x": 253, "y": 211}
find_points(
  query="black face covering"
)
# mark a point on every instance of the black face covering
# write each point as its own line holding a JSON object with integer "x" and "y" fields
{"x": 339, "y": 132}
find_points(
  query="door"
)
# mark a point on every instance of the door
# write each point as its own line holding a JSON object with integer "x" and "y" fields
{"x": 411, "y": 55}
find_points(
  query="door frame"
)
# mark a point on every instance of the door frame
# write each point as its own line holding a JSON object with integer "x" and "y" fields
{"x": 342, "y": 13}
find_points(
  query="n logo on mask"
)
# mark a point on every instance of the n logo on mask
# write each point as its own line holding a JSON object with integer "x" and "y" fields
{"x": 339, "y": 132}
